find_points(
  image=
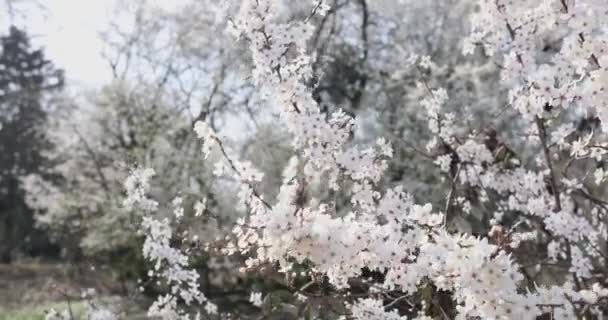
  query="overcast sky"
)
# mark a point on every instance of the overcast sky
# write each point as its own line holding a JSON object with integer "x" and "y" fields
{"x": 68, "y": 30}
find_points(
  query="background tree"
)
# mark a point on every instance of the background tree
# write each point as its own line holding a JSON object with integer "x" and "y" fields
{"x": 165, "y": 77}
{"x": 26, "y": 81}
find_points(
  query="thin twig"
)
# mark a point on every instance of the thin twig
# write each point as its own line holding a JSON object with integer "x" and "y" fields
{"x": 543, "y": 139}
{"x": 451, "y": 195}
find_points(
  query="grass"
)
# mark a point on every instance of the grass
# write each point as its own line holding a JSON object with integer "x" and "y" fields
{"x": 37, "y": 312}
{"x": 28, "y": 290}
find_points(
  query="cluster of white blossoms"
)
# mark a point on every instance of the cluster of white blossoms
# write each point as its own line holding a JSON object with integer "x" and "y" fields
{"x": 386, "y": 230}
{"x": 372, "y": 309}
{"x": 136, "y": 186}
{"x": 539, "y": 71}
{"x": 170, "y": 264}
{"x": 53, "y": 314}
{"x": 555, "y": 60}
{"x": 256, "y": 299}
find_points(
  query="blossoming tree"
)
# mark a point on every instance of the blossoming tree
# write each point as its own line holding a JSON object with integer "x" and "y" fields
{"x": 538, "y": 182}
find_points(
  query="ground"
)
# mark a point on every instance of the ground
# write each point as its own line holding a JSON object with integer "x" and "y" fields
{"x": 27, "y": 290}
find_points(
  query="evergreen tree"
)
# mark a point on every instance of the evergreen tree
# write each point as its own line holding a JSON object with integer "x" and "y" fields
{"x": 26, "y": 78}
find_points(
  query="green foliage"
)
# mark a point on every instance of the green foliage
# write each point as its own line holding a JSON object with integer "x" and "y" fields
{"x": 128, "y": 261}
{"x": 37, "y": 312}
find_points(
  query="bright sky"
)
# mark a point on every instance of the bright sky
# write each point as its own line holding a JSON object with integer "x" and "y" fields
{"x": 68, "y": 30}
